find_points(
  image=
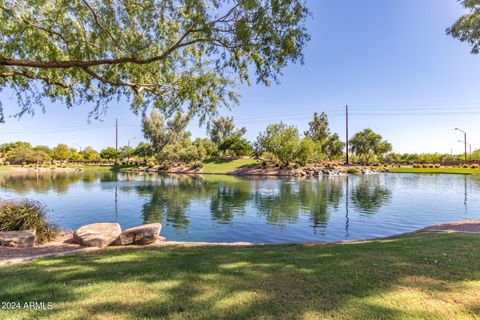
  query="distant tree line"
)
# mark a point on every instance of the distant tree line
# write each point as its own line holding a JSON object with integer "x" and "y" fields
{"x": 21, "y": 153}
{"x": 170, "y": 144}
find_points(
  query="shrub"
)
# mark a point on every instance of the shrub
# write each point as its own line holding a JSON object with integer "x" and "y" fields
{"x": 197, "y": 165}
{"x": 353, "y": 171}
{"x": 151, "y": 164}
{"x": 27, "y": 215}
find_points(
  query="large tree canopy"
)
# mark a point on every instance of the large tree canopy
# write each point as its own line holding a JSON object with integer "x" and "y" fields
{"x": 467, "y": 27}
{"x": 169, "y": 54}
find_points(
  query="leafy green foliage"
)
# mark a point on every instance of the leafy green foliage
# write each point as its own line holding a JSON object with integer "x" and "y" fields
{"x": 166, "y": 54}
{"x": 467, "y": 27}
{"x": 90, "y": 154}
{"x": 318, "y": 129}
{"x": 367, "y": 145}
{"x": 61, "y": 152}
{"x": 26, "y": 215}
{"x": 236, "y": 145}
{"x": 308, "y": 151}
{"x": 144, "y": 150}
{"x": 109, "y": 153}
{"x": 280, "y": 140}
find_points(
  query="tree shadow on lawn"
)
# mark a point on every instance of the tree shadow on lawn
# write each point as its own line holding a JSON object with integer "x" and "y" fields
{"x": 420, "y": 276}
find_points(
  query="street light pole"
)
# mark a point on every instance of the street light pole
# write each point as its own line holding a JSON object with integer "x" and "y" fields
{"x": 131, "y": 140}
{"x": 465, "y": 144}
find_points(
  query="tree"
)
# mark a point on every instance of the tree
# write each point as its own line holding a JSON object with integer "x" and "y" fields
{"x": 281, "y": 140}
{"x": 8, "y": 147}
{"x": 221, "y": 128}
{"x": 109, "y": 153}
{"x": 208, "y": 146}
{"x": 23, "y": 153}
{"x": 154, "y": 129}
{"x": 318, "y": 129}
{"x": 90, "y": 154}
{"x": 367, "y": 145}
{"x": 161, "y": 53}
{"x": 144, "y": 151}
{"x": 126, "y": 152}
{"x": 333, "y": 147}
{"x": 61, "y": 152}
{"x": 467, "y": 27}
{"x": 307, "y": 151}
{"x": 75, "y": 155}
{"x": 40, "y": 156}
{"x": 236, "y": 145}
{"x": 45, "y": 149}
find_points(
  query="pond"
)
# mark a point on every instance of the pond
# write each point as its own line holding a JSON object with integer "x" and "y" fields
{"x": 228, "y": 209}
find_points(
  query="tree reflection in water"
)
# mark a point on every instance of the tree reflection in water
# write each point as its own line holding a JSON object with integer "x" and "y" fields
{"x": 369, "y": 194}
{"x": 170, "y": 197}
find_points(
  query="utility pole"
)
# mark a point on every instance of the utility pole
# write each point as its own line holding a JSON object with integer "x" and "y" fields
{"x": 116, "y": 134}
{"x": 346, "y": 132}
{"x": 116, "y": 140}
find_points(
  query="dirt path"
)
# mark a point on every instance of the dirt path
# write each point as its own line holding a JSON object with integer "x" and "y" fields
{"x": 460, "y": 226}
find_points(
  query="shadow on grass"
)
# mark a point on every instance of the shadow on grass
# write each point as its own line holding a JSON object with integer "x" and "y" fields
{"x": 419, "y": 276}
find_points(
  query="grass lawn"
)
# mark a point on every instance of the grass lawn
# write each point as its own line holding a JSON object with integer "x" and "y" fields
{"x": 435, "y": 170}
{"x": 226, "y": 166}
{"x": 419, "y": 276}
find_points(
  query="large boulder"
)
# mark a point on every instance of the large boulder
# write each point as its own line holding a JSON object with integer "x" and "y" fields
{"x": 18, "y": 239}
{"x": 97, "y": 234}
{"x": 145, "y": 234}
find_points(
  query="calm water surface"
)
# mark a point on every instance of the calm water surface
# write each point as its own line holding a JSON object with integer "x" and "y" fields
{"x": 224, "y": 208}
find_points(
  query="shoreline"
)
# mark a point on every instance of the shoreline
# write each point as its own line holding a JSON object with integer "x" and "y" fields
{"x": 250, "y": 170}
{"x": 62, "y": 246}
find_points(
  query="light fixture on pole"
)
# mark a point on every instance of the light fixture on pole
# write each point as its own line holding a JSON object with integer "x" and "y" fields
{"x": 469, "y": 146}
{"x": 465, "y": 143}
{"x": 131, "y": 140}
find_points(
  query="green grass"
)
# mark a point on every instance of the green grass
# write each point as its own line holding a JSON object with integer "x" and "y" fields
{"x": 419, "y": 276}
{"x": 435, "y": 170}
{"x": 226, "y": 166}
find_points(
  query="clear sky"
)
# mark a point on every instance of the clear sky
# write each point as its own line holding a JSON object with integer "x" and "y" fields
{"x": 391, "y": 61}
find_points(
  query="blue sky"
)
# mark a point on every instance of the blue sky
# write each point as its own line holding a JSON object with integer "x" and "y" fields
{"x": 391, "y": 61}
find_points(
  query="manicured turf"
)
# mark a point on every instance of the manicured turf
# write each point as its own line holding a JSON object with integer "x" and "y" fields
{"x": 435, "y": 170}
{"x": 420, "y": 276}
{"x": 226, "y": 166}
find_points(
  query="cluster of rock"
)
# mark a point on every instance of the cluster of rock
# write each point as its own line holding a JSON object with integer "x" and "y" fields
{"x": 108, "y": 234}
{"x": 91, "y": 235}
{"x": 18, "y": 239}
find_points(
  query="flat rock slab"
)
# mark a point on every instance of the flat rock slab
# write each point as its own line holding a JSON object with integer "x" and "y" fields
{"x": 17, "y": 239}
{"x": 145, "y": 234}
{"x": 97, "y": 234}
{"x": 460, "y": 226}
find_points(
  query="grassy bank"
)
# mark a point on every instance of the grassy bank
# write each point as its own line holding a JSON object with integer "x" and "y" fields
{"x": 436, "y": 170}
{"x": 226, "y": 166}
{"x": 420, "y": 276}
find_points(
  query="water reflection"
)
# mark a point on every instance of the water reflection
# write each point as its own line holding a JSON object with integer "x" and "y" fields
{"x": 368, "y": 195}
{"x": 186, "y": 203}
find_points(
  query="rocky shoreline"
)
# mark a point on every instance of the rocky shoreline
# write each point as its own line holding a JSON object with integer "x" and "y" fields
{"x": 271, "y": 170}
{"x": 64, "y": 243}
